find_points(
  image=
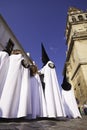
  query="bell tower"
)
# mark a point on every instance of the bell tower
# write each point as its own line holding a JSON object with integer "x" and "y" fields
{"x": 76, "y": 55}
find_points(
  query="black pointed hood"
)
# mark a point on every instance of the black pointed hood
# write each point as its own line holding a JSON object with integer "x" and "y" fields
{"x": 66, "y": 85}
{"x": 45, "y": 57}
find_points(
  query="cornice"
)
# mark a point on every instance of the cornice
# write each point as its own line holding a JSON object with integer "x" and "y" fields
{"x": 83, "y": 63}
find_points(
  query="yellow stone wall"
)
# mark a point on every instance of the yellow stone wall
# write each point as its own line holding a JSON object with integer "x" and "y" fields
{"x": 79, "y": 84}
{"x": 77, "y": 70}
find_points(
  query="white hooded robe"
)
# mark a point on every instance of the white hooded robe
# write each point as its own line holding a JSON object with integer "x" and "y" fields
{"x": 11, "y": 91}
{"x": 53, "y": 99}
{"x": 4, "y": 64}
{"x": 70, "y": 104}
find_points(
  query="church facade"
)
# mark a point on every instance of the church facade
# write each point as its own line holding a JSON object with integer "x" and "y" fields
{"x": 76, "y": 55}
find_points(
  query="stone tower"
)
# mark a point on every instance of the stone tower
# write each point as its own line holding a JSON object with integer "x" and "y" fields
{"x": 76, "y": 55}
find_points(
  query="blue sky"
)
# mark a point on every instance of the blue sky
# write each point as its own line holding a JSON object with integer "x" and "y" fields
{"x": 36, "y": 21}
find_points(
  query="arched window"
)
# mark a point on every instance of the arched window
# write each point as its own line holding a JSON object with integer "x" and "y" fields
{"x": 80, "y": 17}
{"x": 73, "y": 19}
{"x": 86, "y": 15}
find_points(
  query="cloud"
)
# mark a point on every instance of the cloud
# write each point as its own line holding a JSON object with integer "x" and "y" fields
{"x": 53, "y": 49}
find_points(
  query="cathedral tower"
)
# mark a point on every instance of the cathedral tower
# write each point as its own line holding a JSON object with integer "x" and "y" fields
{"x": 76, "y": 55}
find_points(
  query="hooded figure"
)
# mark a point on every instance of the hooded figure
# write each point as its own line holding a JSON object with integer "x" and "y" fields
{"x": 66, "y": 85}
{"x": 15, "y": 99}
{"x": 54, "y": 106}
{"x": 69, "y": 101}
{"x": 45, "y": 57}
{"x": 4, "y": 65}
{"x": 9, "y": 47}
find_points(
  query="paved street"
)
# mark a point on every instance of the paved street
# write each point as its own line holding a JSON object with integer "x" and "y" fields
{"x": 44, "y": 124}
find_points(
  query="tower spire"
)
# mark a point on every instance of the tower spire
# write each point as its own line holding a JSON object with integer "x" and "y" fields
{"x": 66, "y": 85}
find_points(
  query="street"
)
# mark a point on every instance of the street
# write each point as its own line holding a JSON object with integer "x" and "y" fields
{"x": 45, "y": 124}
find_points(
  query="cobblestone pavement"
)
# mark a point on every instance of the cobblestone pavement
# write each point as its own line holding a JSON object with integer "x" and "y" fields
{"x": 45, "y": 124}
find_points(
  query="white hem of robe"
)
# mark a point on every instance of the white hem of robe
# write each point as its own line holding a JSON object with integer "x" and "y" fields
{"x": 70, "y": 105}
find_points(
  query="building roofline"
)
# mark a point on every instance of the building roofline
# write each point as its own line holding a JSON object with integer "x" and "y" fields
{"x": 29, "y": 60}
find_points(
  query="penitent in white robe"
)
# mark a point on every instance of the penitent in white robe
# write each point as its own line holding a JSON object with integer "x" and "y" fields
{"x": 4, "y": 64}
{"x": 11, "y": 91}
{"x": 42, "y": 112}
{"x": 53, "y": 99}
{"x": 70, "y": 104}
{"x": 25, "y": 95}
{"x": 35, "y": 97}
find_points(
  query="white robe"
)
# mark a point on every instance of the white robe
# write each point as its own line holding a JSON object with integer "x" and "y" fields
{"x": 35, "y": 97}
{"x": 25, "y": 95}
{"x": 4, "y": 64}
{"x": 53, "y": 99}
{"x": 43, "y": 111}
{"x": 11, "y": 91}
{"x": 70, "y": 105}
{"x": 22, "y": 95}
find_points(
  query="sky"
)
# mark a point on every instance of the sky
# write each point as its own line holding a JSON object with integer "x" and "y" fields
{"x": 36, "y": 21}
